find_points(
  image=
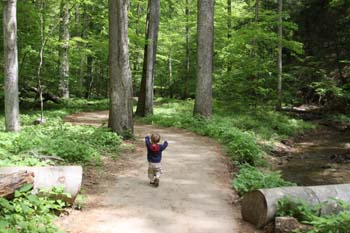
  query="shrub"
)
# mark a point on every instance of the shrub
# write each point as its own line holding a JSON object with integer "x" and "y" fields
{"x": 28, "y": 213}
{"x": 75, "y": 144}
{"x": 297, "y": 208}
{"x": 250, "y": 178}
{"x": 332, "y": 223}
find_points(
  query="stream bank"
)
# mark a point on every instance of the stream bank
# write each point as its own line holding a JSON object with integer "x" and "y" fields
{"x": 319, "y": 157}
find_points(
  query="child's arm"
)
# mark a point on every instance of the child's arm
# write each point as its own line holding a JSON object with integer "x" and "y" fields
{"x": 165, "y": 145}
{"x": 147, "y": 141}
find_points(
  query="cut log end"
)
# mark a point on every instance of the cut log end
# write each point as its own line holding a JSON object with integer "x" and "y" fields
{"x": 254, "y": 208}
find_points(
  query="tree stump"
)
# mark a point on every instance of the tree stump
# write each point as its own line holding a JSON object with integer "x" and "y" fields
{"x": 9, "y": 183}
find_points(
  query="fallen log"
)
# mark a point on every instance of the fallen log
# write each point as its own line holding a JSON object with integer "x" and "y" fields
{"x": 46, "y": 95}
{"x": 259, "y": 207}
{"x": 67, "y": 177}
{"x": 9, "y": 183}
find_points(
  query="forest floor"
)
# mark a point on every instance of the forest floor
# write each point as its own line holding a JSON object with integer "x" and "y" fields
{"x": 194, "y": 195}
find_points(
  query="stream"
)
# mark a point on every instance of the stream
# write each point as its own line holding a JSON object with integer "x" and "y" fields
{"x": 318, "y": 158}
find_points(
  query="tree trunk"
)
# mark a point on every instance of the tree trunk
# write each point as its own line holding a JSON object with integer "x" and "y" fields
{"x": 259, "y": 207}
{"x": 205, "y": 46}
{"x": 229, "y": 28}
{"x": 11, "y": 66}
{"x": 171, "y": 81}
{"x": 257, "y": 9}
{"x": 89, "y": 80}
{"x": 63, "y": 50}
{"x": 145, "y": 103}
{"x": 229, "y": 19}
{"x": 187, "y": 34}
{"x": 9, "y": 183}
{"x": 280, "y": 27}
{"x": 82, "y": 75}
{"x": 121, "y": 97}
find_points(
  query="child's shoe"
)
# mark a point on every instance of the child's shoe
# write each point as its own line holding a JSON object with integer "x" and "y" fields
{"x": 156, "y": 182}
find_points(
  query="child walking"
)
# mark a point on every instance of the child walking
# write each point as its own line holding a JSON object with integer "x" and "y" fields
{"x": 154, "y": 157}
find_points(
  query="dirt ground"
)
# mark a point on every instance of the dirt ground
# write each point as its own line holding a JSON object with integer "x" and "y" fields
{"x": 194, "y": 195}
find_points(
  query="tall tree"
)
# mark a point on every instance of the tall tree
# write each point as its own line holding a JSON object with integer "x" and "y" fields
{"x": 205, "y": 46}
{"x": 63, "y": 50}
{"x": 145, "y": 103}
{"x": 121, "y": 97}
{"x": 11, "y": 66}
{"x": 280, "y": 35}
{"x": 187, "y": 35}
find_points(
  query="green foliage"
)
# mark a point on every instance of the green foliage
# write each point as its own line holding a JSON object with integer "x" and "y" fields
{"x": 74, "y": 144}
{"x": 241, "y": 146}
{"x": 298, "y": 209}
{"x": 238, "y": 131}
{"x": 304, "y": 212}
{"x": 336, "y": 223}
{"x": 250, "y": 178}
{"x": 29, "y": 213}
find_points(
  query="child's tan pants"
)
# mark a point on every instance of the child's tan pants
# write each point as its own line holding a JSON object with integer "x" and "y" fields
{"x": 154, "y": 171}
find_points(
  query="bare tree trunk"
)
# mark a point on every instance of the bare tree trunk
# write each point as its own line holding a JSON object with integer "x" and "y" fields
{"x": 145, "y": 103}
{"x": 63, "y": 50}
{"x": 11, "y": 66}
{"x": 280, "y": 36}
{"x": 171, "y": 81}
{"x": 82, "y": 76}
{"x": 187, "y": 35}
{"x": 257, "y": 8}
{"x": 121, "y": 97}
{"x": 229, "y": 28}
{"x": 229, "y": 20}
{"x": 205, "y": 46}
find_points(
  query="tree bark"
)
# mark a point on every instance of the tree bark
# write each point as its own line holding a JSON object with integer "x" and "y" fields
{"x": 9, "y": 183}
{"x": 229, "y": 28}
{"x": 121, "y": 97}
{"x": 64, "y": 49}
{"x": 257, "y": 9}
{"x": 229, "y": 19}
{"x": 280, "y": 36}
{"x": 145, "y": 103}
{"x": 205, "y": 46}
{"x": 187, "y": 34}
{"x": 11, "y": 66}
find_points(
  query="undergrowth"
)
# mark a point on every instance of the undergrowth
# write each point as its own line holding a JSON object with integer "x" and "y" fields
{"x": 29, "y": 213}
{"x": 34, "y": 144}
{"x": 337, "y": 222}
{"x": 250, "y": 178}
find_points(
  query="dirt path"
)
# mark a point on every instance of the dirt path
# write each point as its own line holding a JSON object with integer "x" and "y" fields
{"x": 194, "y": 195}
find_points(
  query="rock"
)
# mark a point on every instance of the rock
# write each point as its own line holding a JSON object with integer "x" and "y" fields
{"x": 327, "y": 166}
{"x": 286, "y": 224}
{"x": 287, "y": 142}
{"x": 39, "y": 121}
{"x": 289, "y": 225}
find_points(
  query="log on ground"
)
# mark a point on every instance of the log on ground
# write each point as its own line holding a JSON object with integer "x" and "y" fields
{"x": 67, "y": 177}
{"x": 9, "y": 183}
{"x": 260, "y": 206}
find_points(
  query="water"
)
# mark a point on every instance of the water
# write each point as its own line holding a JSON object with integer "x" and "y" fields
{"x": 310, "y": 163}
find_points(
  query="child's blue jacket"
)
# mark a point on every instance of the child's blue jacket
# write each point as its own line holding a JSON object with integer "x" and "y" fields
{"x": 154, "y": 151}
